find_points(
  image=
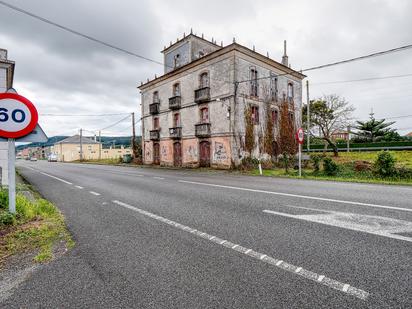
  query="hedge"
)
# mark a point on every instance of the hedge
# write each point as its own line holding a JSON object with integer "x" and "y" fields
{"x": 365, "y": 145}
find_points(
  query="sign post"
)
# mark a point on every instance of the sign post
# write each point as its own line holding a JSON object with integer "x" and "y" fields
{"x": 18, "y": 118}
{"x": 300, "y": 138}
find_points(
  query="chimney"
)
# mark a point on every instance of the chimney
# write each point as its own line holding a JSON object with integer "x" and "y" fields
{"x": 285, "y": 56}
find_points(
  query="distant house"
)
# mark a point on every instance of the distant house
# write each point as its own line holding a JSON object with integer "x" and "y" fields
{"x": 68, "y": 150}
{"x": 340, "y": 135}
{"x": 409, "y": 134}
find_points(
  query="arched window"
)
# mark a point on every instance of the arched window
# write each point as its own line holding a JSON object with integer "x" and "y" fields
{"x": 290, "y": 92}
{"x": 176, "y": 60}
{"x": 156, "y": 97}
{"x": 201, "y": 54}
{"x": 204, "y": 80}
{"x": 176, "y": 90}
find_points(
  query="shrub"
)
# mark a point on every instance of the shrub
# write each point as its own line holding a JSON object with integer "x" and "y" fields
{"x": 330, "y": 167}
{"x": 7, "y": 218}
{"x": 267, "y": 164}
{"x": 404, "y": 173}
{"x": 316, "y": 159}
{"x": 249, "y": 163}
{"x": 4, "y": 199}
{"x": 385, "y": 164}
{"x": 362, "y": 166}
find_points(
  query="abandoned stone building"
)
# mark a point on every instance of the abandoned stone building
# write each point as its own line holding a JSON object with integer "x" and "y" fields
{"x": 194, "y": 114}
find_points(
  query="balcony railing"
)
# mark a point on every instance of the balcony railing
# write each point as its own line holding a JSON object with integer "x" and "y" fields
{"x": 155, "y": 135}
{"x": 174, "y": 102}
{"x": 175, "y": 133}
{"x": 202, "y": 129}
{"x": 154, "y": 108}
{"x": 202, "y": 95}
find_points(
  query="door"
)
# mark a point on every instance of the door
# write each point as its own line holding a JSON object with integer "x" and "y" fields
{"x": 177, "y": 154}
{"x": 204, "y": 148}
{"x": 156, "y": 153}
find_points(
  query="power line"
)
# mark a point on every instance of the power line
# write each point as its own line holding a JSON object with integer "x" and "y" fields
{"x": 361, "y": 80}
{"x": 83, "y": 115}
{"x": 88, "y": 37}
{"x": 112, "y": 125}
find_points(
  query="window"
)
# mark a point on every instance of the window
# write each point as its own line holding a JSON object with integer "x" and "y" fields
{"x": 176, "y": 90}
{"x": 255, "y": 115}
{"x": 201, "y": 54}
{"x": 155, "y": 123}
{"x": 204, "y": 115}
{"x": 290, "y": 92}
{"x": 156, "y": 97}
{"x": 273, "y": 87}
{"x": 176, "y": 60}
{"x": 176, "y": 120}
{"x": 292, "y": 117}
{"x": 253, "y": 82}
{"x": 204, "y": 80}
{"x": 275, "y": 116}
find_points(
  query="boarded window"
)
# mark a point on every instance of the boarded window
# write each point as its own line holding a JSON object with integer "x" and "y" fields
{"x": 176, "y": 120}
{"x": 255, "y": 115}
{"x": 290, "y": 92}
{"x": 273, "y": 87}
{"x": 176, "y": 60}
{"x": 155, "y": 97}
{"x": 204, "y": 80}
{"x": 275, "y": 116}
{"x": 176, "y": 90}
{"x": 204, "y": 115}
{"x": 156, "y": 123}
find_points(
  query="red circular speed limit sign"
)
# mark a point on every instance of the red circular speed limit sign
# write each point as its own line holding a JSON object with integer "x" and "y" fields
{"x": 300, "y": 135}
{"x": 18, "y": 116}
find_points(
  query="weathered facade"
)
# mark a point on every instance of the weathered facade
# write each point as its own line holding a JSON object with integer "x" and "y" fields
{"x": 194, "y": 114}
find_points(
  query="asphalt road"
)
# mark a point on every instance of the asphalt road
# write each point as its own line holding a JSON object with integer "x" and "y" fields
{"x": 156, "y": 238}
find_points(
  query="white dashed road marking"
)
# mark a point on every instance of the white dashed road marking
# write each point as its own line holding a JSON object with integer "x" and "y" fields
{"x": 156, "y": 177}
{"x": 94, "y": 193}
{"x": 79, "y": 187}
{"x": 57, "y": 178}
{"x": 297, "y": 195}
{"x": 321, "y": 279}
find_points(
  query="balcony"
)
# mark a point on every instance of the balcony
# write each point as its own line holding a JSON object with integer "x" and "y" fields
{"x": 155, "y": 135}
{"x": 154, "y": 108}
{"x": 175, "y": 133}
{"x": 174, "y": 102}
{"x": 202, "y": 130}
{"x": 202, "y": 95}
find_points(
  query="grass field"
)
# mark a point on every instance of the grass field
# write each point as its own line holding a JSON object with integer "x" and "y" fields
{"x": 403, "y": 158}
{"x": 37, "y": 225}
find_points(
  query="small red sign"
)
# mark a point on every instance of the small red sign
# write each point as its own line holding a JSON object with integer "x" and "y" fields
{"x": 18, "y": 116}
{"x": 300, "y": 135}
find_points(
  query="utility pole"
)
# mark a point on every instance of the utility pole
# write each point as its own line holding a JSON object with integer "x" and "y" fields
{"x": 81, "y": 145}
{"x": 308, "y": 116}
{"x": 134, "y": 148}
{"x": 347, "y": 149}
{"x": 100, "y": 145}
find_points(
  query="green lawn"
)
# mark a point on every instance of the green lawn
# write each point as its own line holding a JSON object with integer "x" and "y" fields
{"x": 403, "y": 158}
{"x": 37, "y": 225}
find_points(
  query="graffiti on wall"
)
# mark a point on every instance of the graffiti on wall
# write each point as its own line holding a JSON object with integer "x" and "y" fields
{"x": 163, "y": 152}
{"x": 220, "y": 153}
{"x": 191, "y": 153}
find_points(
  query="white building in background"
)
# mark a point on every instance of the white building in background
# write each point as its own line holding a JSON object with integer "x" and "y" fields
{"x": 6, "y": 82}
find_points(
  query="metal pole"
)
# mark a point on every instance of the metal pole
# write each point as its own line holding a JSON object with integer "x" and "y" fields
{"x": 308, "y": 115}
{"x": 100, "y": 145}
{"x": 134, "y": 148}
{"x": 81, "y": 145}
{"x": 300, "y": 160}
{"x": 12, "y": 175}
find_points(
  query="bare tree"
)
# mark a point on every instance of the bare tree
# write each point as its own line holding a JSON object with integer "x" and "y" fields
{"x": 330, "y": 114}
{"x": 287, "y": 142}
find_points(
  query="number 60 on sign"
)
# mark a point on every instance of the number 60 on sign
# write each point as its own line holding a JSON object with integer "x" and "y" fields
{"x": 18, "y": 116}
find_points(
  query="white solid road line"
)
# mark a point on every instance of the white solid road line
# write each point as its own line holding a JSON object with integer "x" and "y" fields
{"x": 297, "y": 195}
{"x": 331, "y": 283}
{"x": 57, "y": 178}
{"x": 94, "y": 193}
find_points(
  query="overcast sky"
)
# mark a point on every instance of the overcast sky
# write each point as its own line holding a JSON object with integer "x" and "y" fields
{"x": 66, "y": 74}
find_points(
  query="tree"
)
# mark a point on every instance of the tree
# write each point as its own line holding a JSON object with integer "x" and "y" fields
{"x": 330, "y": 114}
{"x": 373, "y": 130}
{"x": 287, "y": 142}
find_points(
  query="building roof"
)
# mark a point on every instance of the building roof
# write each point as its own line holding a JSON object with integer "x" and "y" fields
{"x": 219, "y": 52}
{"x": 75, "y": 139}
{"x": 186, "y": 37}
